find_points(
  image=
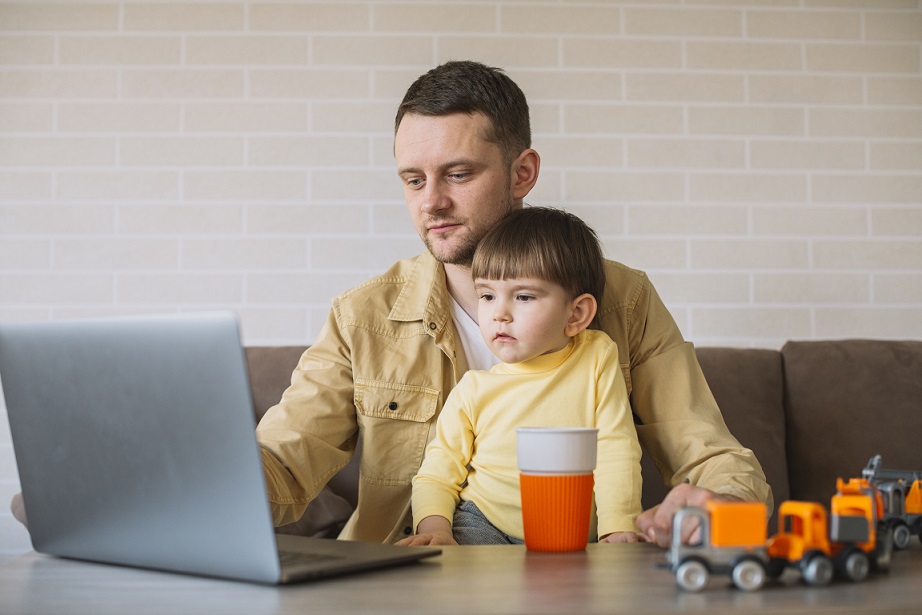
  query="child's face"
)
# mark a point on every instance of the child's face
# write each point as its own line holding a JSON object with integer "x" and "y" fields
{"x": 522, "y": 318}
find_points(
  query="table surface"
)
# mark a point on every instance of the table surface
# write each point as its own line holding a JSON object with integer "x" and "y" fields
{"x": 489, "y": 579}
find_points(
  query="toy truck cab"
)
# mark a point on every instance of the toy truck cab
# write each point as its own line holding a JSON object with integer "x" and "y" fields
{"x": 859, "y": 511}
{"x": 802, "y": 541}
{"x": 849, "y": 543}
{"x": 732, "y": 541}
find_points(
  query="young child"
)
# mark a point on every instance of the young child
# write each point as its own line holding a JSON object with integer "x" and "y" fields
{"x": 539, "y": 277}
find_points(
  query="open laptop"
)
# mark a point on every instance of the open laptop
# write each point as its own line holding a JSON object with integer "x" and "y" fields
{"x": 135, "y": 443}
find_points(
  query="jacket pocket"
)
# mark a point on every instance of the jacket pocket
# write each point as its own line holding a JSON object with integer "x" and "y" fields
{"x": 394, "y": 420}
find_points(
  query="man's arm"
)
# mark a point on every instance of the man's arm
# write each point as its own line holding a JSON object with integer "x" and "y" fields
{"x": 311, "y": 433}
{"x": 682, "y": 429}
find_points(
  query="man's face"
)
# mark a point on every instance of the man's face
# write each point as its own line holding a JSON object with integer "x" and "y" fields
{"x": 455, "y": 182}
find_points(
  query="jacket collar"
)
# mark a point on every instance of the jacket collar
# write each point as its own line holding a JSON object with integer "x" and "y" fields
{"x": 424, "y": 296}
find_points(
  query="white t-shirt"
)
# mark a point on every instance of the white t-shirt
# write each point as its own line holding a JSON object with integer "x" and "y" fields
{"x": 475, "y": 349}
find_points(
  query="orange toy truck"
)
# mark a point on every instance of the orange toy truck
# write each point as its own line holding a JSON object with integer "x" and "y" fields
{"x": 849, "y": 543}
{"x": 732, "y": 541}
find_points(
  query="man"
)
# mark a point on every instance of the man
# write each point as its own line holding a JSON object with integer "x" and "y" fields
{"x": 393, "y": 348}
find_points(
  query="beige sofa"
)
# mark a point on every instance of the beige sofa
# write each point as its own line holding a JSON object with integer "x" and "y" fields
{"x": 812, "y": 412}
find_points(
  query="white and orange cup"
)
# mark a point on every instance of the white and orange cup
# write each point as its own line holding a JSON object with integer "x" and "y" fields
{"x": 556, "y": 467}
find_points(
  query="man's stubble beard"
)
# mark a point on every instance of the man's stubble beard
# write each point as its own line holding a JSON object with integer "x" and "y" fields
{"x": 463, "y": 255}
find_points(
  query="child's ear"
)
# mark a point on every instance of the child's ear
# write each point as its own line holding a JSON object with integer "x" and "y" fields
{"x": 582, "y": 311}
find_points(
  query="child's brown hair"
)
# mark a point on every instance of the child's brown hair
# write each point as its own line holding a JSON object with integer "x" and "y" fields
{"x": 544, "y": 243}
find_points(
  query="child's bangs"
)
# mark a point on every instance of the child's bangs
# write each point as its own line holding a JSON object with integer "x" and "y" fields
{"x": 508, "y": 264}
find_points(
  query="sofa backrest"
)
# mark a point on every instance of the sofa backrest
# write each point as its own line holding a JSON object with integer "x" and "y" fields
{"x": 813, "y": 412}
{"x": 846, "y": 401}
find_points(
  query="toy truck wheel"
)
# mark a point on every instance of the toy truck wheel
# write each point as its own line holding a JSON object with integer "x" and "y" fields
{"x": 856, "y": 566}
{"x": 775, "y": 567}
{"x": 901, "y": 536}
{"x": 817, "y": 570}
{"x": 692, "y": 575}
{"x": 748, "y": 575}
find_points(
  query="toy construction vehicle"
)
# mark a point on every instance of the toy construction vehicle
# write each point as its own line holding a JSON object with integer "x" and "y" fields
{"x": 849, "y": 544}
{"x": 902, "y": 494}
{"x": 732, "y": 541}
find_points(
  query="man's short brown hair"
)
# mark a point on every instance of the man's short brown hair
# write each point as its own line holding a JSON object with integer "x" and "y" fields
{"x": 546, "y": 244}
{"x": 471, "y": 87}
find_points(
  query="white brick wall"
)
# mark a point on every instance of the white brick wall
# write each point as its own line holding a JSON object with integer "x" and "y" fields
{"x": 760, "y": 159}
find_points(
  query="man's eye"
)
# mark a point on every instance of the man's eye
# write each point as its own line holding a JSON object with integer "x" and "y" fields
{"x": 458, "y": 176}
{"x": 414, "y": 182}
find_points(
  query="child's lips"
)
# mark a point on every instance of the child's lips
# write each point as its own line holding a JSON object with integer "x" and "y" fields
{"x": 503, "y": 337}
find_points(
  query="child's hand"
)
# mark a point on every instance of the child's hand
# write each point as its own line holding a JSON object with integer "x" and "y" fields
{"x": 625, "y": 537}
{"x": 433, "y": 530}
{"x": 430, "y": 538}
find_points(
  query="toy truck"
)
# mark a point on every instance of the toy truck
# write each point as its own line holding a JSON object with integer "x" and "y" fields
{"x": 732, "y": 542}
{"x": 849, "y": 543}
{"x": 902, "y": 494}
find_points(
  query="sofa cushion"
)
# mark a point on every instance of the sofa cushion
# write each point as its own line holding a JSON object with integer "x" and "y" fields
{"x": 845, "y": 402}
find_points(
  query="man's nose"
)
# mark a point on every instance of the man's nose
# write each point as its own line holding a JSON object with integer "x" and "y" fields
{"x": 435, "y": 198}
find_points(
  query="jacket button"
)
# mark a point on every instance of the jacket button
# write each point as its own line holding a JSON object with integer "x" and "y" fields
{"x": 392, "y": 406}
{"x": 407, "y": 531}
{"x": 433, "y": 326}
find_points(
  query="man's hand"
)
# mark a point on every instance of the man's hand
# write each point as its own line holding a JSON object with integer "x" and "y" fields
{"x": 19, "y": 509}
{"x": 430, "y": 531}
{"x": 656, "y": 522}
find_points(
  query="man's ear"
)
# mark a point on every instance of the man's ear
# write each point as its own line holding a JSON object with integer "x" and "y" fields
{"x": 583, "y": 310}
{"x": 525, "y": 170}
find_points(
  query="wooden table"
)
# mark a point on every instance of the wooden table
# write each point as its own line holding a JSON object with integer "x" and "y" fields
{"x": 468, "y": 580}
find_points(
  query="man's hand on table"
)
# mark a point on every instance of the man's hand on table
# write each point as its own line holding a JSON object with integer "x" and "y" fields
{"x": 656, "y": 522}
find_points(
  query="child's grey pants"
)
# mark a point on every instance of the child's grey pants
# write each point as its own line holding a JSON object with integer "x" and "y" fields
{"x": 471, "y": 527}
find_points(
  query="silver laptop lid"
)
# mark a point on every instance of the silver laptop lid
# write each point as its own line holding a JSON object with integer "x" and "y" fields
{"x": 135, "y": 445}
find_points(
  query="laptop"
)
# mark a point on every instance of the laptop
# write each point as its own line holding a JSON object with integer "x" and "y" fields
{"x": 135, "y": 443}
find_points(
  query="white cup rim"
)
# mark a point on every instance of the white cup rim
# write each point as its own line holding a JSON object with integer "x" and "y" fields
{"x": 556, "y": 450}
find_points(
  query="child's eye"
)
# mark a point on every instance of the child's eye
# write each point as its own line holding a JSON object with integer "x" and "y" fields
{"x": 524, "y": 298}
{"x": 486, "y": 297}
